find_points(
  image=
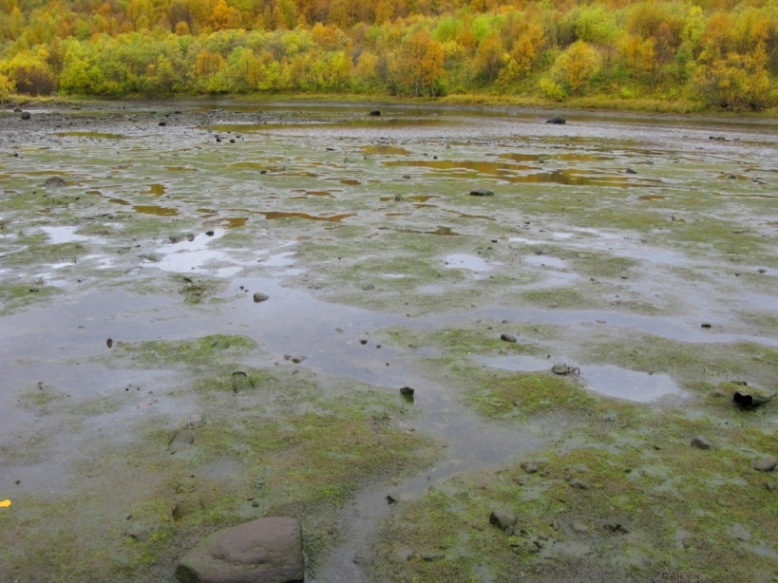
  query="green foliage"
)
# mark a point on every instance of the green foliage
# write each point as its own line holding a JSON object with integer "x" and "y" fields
{"x": 666, "y": 50}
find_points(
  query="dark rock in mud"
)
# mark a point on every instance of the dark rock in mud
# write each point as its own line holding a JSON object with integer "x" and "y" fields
{"x": 267, "y": 550}
{"x": 481, "y": 192}
{"x": 210, "y": 233}
{"x": 299, "y": 359}
{"x": 508, "y": 337}
{"x": 766, "y": 464}
{"x": 706, "y": 325}
{"x": 557, "y": 120}
{"x": 631, "y": 171}
{"x": 407, "y": 391}
{"x": 55, "y": 182}
{"x": 17, "y": 110}
{"x": 750, "y": 397}
{"x": 375, "y": 113}
{"x": 260, "y": 297}
{"x": 26, "y": 115}
{"x": 162, "y": 124}
{"x": 109, "y": 343}
{"x": 504, "y": 519}
{"x": 701, "y": 443}
{"x": 531, "y": 466}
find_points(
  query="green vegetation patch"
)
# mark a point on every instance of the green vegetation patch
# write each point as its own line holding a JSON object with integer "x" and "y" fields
{"x": 196, "y": 354}
{"x": 652, "y": 509}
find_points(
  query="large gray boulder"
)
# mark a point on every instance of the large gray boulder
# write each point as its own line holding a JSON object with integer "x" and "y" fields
{"x": 266, "y": 550}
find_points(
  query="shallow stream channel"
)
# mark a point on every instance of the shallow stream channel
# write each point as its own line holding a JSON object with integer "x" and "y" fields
{"x": 208, "y": 311}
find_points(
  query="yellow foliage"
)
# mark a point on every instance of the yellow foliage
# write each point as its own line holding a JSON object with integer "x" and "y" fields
{"x": 574, "y": 67}
{"x": 182, "y": 28}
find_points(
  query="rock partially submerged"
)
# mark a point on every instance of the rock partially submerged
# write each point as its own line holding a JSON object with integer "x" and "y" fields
{"x": 557, "y": 120}
{"x": 267, "y": 550}
{"x": 481, "y": 192}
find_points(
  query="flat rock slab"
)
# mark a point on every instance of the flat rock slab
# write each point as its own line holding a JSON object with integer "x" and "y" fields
{"x": 266, "y": 550}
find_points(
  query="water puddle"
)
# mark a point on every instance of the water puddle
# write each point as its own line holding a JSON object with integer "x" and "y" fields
{"x": 608, "y": 380}
{"x": 545, "y": 261}
{"x": 469, "y": 262}
{"x": 273, "y": 215}
{"x": 59, "y": 235}
{"x": 195, "y": 257}
{"x": 159, "y": 211}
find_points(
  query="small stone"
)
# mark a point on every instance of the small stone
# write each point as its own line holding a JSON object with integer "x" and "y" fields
{"x": 55, "y": 182}
{"x": 407, "y": 391}
{"x": 508, "y": 337}
{"x": 706, "y": 325}
{"x": 580, "y": 527}
{"x": 25, "y": 115}
{"x": 109, "y": 343}
{"x": 482, "y": 192}
{"x": 579, "y": 484}
{"x": 769, "y": 485}
{"x": 210, "y": 233}
{"x": 766, "y": 464}
{"x": 375, "y": 113}
{"x": 391, "y": 499}
{"x": 260, "y": 297}
{"x": 299, "y": 359}
{"x": 701, "y": 443}
{"x": 557, "y": 120}
{"x": 162, "y": 124}
{"x": 363, "y": 342}
{"x": 631, "y": 171}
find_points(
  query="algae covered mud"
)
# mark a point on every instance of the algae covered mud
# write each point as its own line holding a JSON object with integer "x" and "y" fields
{"x": 151, "y": 394}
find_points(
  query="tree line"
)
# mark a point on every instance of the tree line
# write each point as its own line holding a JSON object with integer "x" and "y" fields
{"x": 714, "y": 53}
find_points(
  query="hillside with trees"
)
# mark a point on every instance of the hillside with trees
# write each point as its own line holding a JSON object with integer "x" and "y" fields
{"x": 715, "y": 55}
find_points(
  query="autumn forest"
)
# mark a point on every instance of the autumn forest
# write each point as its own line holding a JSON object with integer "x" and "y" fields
{"x": 713, "y": 55}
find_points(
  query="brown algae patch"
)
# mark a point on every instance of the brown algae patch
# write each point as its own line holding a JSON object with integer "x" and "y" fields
{"x": 156, "y": 189}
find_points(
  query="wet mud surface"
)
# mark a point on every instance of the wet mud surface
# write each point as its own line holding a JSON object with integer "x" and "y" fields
{"x": 208, "y": 312}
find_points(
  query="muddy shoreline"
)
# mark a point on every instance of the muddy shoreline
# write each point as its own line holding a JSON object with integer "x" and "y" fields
{"x": 637, "y": 250}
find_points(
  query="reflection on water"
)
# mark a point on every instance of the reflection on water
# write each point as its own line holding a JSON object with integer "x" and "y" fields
{"x": 59, "y": 235}
{"x": 386, "y": 150}
{"x": 494, "y": 168}
{"x": 272, "y": 215}
{"x": 156, "y": 189}
{"x": 608, "y": 380}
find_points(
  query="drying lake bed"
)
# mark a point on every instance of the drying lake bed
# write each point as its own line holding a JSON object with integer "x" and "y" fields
{"x": 208, "y": 311}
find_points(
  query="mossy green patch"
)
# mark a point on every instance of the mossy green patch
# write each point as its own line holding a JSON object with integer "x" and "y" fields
{"x": 196, "y": 354}
{"x": 654, "y": 509}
